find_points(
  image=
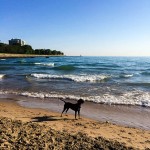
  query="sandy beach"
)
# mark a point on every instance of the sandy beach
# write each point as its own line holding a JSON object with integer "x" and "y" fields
{"x": 5, "y": 55}
{"x": 38, "y": 128}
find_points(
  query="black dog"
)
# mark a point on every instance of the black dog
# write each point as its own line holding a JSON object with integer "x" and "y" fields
{"x": 76, "y": 107}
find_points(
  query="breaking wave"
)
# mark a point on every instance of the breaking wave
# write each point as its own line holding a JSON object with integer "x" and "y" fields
{"x": 45, "y": 64}
{"x": 25, "y": 63}
{"x": 2, "y": 76}
{"x": 129, "y": 98}
{"x": 138, "y": 98}
{"x": 126, "y": 75}
{"x": 76, "y": 78}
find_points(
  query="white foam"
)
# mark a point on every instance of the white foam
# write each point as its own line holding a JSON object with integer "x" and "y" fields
{"x": 76, "y": 78}
{"x": 2, "y": 76}
{"x": 45, "y": 64}
{"x": 129, "y": 98}
{"x": 32, "y": 94}
{"x": 2, "y": 59}
{"x": 4, "y": 92}
{"x": 127, "y": 75}
{"x": 139, "y": 98}
{"x": 46, "y": 95}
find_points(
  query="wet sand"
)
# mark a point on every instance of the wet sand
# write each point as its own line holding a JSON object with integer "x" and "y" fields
{"x": 94, "y": 132}
{"x": 132, "y": 116}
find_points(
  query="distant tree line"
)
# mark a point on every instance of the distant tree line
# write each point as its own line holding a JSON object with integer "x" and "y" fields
{"x": 26, "y": 49}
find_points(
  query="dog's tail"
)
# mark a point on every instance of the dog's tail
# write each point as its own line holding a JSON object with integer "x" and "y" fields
{"x": 62, "y": 100}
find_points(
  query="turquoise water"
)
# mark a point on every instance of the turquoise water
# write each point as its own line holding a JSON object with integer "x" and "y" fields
{"x": 109, "y": 80}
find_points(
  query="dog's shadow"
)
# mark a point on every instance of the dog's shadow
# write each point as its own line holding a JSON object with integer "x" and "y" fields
{"x": 47, "y": 118}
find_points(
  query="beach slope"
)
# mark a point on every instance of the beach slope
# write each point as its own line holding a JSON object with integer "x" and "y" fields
{"x": 41, "y": 129}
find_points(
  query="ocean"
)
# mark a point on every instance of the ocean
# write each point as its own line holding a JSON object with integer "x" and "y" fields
{"x": 104, "y": 80}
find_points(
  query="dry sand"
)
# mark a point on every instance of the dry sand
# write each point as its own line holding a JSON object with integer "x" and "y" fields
{"x": 91, "y": 132}
{"x": 5, "y": 55}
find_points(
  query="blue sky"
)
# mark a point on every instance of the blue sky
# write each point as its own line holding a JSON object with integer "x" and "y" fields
{"x": 86, "y": 27}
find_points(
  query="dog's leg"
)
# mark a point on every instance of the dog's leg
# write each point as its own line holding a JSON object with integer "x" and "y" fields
{"x": 63, "y": 111}
{"x": 67, "y": 110}
{"x": 75, "y": 114}
{"x": 79, "y": 114}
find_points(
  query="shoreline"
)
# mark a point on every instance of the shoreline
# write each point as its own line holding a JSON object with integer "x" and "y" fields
{"x": 129, "y": 116}
{"x": 5, "y": 55}
{"x": 131, "y": 137}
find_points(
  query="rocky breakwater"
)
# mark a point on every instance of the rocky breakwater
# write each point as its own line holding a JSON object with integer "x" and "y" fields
{"x": 17, "y": 135}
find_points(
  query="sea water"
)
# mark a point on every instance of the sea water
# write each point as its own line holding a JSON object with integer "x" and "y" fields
{"x": 106, "y": 80}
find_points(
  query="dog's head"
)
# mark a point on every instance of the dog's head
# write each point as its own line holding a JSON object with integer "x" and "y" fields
{"x": 80, "y": 101}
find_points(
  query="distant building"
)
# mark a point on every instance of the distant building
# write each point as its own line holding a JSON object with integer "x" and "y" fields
{"x": 16, "y": 42}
